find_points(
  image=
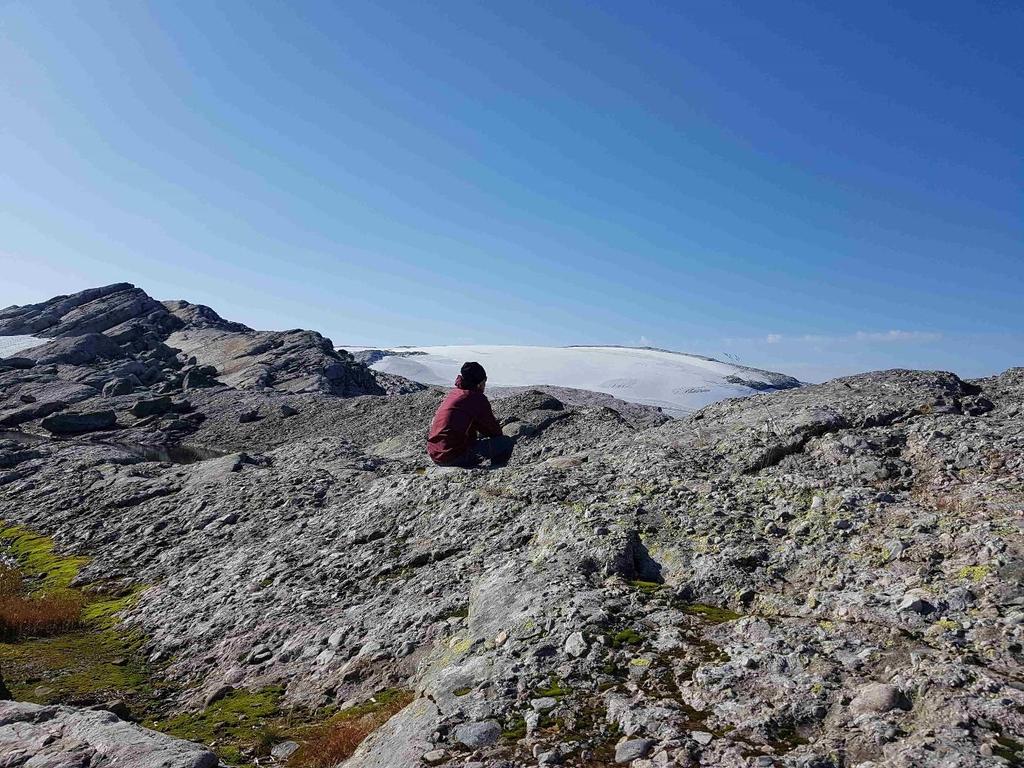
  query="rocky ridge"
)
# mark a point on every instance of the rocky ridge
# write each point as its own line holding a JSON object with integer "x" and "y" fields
{"x": 824, "y": 576}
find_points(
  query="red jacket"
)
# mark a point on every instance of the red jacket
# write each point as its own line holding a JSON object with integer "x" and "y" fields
{"x": 462, "y": 414}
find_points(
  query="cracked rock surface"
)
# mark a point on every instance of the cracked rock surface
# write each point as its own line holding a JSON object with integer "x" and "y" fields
{"x": 33, "y": 735}
{"x": 824, "y": 576}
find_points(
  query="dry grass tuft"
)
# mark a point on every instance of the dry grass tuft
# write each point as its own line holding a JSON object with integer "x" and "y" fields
{"x": 24, "y": 615}
{"x": 336, "y": 740}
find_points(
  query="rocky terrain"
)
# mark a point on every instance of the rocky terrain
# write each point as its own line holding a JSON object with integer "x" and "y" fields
{"x": 825, "y": 576}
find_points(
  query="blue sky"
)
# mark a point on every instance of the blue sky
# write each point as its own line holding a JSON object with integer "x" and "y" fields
{"x": 817, "y": 188}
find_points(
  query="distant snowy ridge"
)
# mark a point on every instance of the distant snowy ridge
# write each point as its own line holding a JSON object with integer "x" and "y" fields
{"x": 12, "y": 345}
{"x": 676, "y": 382}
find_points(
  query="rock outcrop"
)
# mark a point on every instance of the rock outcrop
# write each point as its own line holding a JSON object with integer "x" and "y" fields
{"x": 829, "y": 575}
{"x": 118, "y": 340}
{"x": 33, "y": 735}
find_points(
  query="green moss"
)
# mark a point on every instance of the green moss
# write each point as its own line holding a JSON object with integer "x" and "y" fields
{"x": 711, "y": 613}
{"x": 626, "y": 637}
{"x": 555, "y": 689}
{"x": 461, "y": 612}
{"x": 462, "y": 691}
{"x": 646, "y": 586}
{"x": 515, "y": 729}
{"x": 375, "y": 703}
{"x": 973, "y": 573}
{"x": 237, "y": 724}
{"x": 88, "y": 665}
{"x": 104, "y": 612}
{"x": 1010, "y": 750}
{"x": 36, "y": 558}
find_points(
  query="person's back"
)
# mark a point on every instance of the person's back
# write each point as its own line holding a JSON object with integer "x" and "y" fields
{"x": 464, "y": 413}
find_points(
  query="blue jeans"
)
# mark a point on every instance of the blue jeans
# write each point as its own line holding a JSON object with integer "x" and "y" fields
{"x": 497, "y": 450}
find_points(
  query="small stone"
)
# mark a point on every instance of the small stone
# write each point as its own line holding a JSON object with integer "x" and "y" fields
{"x": 247, "y": 417}
{"x": 260, "y": 654}
{"x": 544, "y": 704}
{"x": 287, "y": 411}
{"x": 916, "y": 601}
{"x": 284, "y": 750}
{"x": 501, "y": 638}
{"x": 156, "y": 406}
{"x": 633, "y": 749}
{"x": 576, "y": 644}
{"x": 217, "y": 694}
{"x": 878, "y": 697}
{"x": 337, "y": 637}
{"x": 477, "y": 735}
{"x": 122, "y": 385}
{"x": 702, "y": 737}
{"x": 435, "y": 756}
{"x": 117, "y": 707}
{"x": 198, "y": 378}
{"x": 532, "y": 721}
{"x": 405, "y": 649}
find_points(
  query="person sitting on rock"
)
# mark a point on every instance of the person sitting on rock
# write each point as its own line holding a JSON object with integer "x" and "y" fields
{"x": 464, "y": 414}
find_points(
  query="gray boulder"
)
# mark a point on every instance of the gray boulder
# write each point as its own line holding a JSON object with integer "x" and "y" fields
{"x": 123, "y": 385}
{"x": 477, "y": 735}
{"x": 878, "y": 698}
{"x": 77, "y": 423}
{"x": 76, "y": 350}
{"x": 156, "y": 406}
{"x": 632, "y": 749}
{"x": 36, "y": 735}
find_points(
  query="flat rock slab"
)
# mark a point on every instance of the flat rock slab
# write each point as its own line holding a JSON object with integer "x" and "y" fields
{"x": 76, "y": 423}
{"x": 35, "y": 735}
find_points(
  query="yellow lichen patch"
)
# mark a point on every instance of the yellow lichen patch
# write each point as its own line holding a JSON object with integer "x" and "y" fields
{"x": 711, "y": 613}
{"x": 973, "y": 573}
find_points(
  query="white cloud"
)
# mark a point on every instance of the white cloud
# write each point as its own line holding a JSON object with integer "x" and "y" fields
{"x": 893, "y": 336}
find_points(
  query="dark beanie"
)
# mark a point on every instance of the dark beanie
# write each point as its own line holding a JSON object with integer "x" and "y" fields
{"x": 472, "y": 374}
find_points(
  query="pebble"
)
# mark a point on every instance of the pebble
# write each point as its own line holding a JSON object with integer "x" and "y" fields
{"x": 283, "y": 750}
{"x": 878, "y": 698}
{"x": 632, "y": 749}
{"x": 479, "y": 734}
